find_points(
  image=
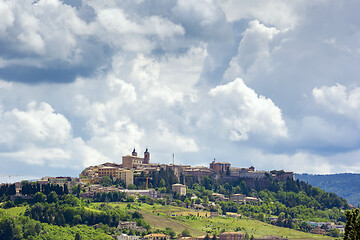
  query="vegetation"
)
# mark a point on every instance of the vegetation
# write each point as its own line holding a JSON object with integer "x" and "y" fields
{"x": 25, "y": 228}
{"x": 344, "y": 184}
{"x": 352, "y": 228}
{"x": 157, "y": 216}
{"x": 287, "y": 204}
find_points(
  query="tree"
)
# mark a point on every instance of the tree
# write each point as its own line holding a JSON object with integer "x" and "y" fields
{"x": 205, "y": 201}
{"x": 106, "y": 181}
{"x": 77, "y": 190}
{"x": 186, "y": 233}
{"x": 52, "y": 198}
{"x": 78, "y": 236}
{"x": 169, "y": 231}
{"x": 333, "y": 232}
{"x": 131, "y": 186}
{"x": 39, "y": 197}
{"x": 247, "y": 237}
{"x": 7, "y": 228}
{"x": 352, "y": 227}
{"x": 162, "y": 183}
{"x": 187, "y": 202}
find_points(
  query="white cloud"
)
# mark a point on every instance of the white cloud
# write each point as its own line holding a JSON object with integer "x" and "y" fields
{"x": 253, "y": 51}
{"x": 243, "y": 112}
{"x": 133, "y": 33}
{"x": 173, "y": 141}
{"x": 282, "y": 14}
{"x": 338, "y": 99}
{"x": 136, "y": 76}
{"x": 204, "y": 11}
{"x": 38, "y": 124}
{"x": 6, "y": 15}
{"x": 40, "y": 136}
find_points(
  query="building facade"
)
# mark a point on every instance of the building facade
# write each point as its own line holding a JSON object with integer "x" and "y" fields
{"x": 232, "y": 236}
{"x": 157, "y": 236}
{"x": 220, "y": 167}
{"x": 133, "y": 161}
{"x": 179, "y": 188}
{"x": 127, "y": 237}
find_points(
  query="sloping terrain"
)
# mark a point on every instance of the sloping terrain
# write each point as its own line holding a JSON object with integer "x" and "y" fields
{"x": 345, "y": 185}
{"x": 157, "y": 217}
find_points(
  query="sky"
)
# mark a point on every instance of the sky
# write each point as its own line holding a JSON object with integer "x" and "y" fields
{"x": 273, "y": 84}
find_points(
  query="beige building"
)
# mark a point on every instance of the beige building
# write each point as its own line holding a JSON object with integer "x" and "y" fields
{"x": 133, "y": 161}
{"x": 238, "y": 198}
{"x": 61, "y": 181}
{"x": 318, "y": 230}
{"x": 127, "y": 237}
{"x": 157, "y": 236}
{"x": 179, "y": 188}
{"x": 117, "y": 173}
{"x": 193, "y": 213}
{"x": 130, "y": 225}
{"x": 231, "y": 236}
{"x": 219, "y": 197}
{"x": 92, "y": 174}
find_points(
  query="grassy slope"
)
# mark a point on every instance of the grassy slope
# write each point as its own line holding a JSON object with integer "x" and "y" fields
{"x": 157, "y": 217}
{"x": 15, "y": 211}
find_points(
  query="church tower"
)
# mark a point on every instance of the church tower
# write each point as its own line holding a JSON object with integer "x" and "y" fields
{"x": 134, "y": 153}
{"x": 146, "y": 157}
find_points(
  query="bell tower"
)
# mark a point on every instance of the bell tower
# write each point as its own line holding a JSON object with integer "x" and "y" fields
{"x": 134, "y": 153}
{"x": 146, "y": 156}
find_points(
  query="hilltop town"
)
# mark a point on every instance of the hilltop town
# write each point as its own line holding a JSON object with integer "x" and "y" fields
{"x": 134, "y": 167}
{"x": 198, "y": 192}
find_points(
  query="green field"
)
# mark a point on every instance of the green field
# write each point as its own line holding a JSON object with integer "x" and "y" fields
{"x": 15, "y": 211}
{"x": 156, "y": 216}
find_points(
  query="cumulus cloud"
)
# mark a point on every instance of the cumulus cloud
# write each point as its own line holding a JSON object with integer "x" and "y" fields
{"x": 282, "y": 14}
{"x": 40, "y": 136}
{"x": 160, "y": 74}
{"x": 243, "y": 112}
{"x": 338, "y": 99}
{"x": 253, "y": 50}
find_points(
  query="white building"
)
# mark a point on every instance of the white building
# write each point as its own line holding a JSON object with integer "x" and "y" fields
{"x": 179, "y": 188}
{"x": 127, "y": 237}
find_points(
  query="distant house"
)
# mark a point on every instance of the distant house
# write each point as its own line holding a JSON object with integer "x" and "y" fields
{"x": 157, "y": 236}
{"x": 131, "y": 225}
{"x": 318, "y": 230}
{"x": 270, "y": 238}
{"x": 232, "y": 236}
{"x": 238, "y": 198}
{"x": 193, "y": 213}
{"x": 219, "y": 197}
{"x": 127, "y": 237}
{"x": 220, "y": 167}
{"x": 179, "y": 188}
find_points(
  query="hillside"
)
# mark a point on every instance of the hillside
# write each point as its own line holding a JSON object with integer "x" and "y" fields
{"x": 345, "y": 185}
{"x": 157, "y": 216}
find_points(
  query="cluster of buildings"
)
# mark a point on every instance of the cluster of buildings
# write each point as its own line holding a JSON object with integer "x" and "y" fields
{"x": 225, "y": 169}
{"x": 69, "y": 182}
{"x": 133, "y": 166}
{"x": 320, "y": 227}
{"x": 238, "y": 198}
{"x": 160, "y": 236}
{"x": 134, "y": 163}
